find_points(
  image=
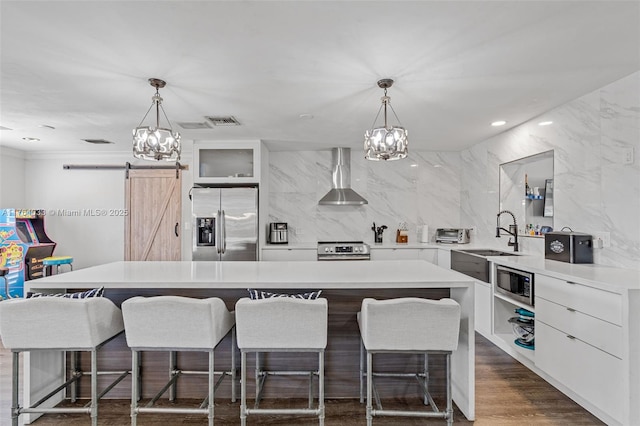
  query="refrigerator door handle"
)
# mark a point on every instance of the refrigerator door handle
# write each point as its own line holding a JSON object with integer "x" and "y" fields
{"x": 218, "y": 232}
{"x": 223, "y": 226}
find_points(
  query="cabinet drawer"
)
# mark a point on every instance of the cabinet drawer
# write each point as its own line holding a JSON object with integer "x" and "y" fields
{"x": 601, "y": 334}
{"x": 598, "y": 303}
{"x": 587, "y": 371}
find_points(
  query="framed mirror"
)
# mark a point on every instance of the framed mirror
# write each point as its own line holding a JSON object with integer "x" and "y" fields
{"x": 526, "y": 190}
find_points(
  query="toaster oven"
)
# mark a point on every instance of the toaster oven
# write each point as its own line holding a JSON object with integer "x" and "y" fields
{"x": 452, "y": 235}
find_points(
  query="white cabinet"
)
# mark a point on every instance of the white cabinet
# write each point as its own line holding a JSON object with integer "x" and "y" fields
{"x": 394, "y": 253}
{"x": 444, "y": 259}
{"x": 405, "y": 253}
{"x": 226, "y": 162}
{"x": 288, "y": 254}
{"x": 579, "y": 341}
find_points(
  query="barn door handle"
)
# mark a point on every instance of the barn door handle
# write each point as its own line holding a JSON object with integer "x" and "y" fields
{"x": 176, "y": 229}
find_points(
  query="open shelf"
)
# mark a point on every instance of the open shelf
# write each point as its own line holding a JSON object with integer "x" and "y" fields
{"x": 514, "y": 302}
{"x": 509, "y": 338}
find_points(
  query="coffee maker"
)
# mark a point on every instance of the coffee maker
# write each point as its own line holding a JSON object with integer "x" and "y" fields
{"x": 278, "y": 233}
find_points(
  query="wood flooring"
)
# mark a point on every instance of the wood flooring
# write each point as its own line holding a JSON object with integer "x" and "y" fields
{"x": 507, "y": 393}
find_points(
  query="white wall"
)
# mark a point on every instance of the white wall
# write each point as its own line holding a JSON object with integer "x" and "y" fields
{"x": 12, "y": 174}
{"x": 596, "y": 190}
{"x": 91, "y": 240}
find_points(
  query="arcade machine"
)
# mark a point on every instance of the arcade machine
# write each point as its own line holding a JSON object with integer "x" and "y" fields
{"x": 23, "y": 245}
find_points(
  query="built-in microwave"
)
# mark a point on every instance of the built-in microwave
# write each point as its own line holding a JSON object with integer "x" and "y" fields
{"x": 518, "y": 285}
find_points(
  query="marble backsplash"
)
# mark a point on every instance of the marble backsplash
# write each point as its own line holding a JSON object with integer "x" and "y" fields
{"x": 423, "y": 189}
{"x": 596, "y": 189}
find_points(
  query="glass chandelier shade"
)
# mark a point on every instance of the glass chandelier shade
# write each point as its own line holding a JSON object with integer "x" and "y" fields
{"x": 156, "y": 143}
{"x": 385, "y": 142}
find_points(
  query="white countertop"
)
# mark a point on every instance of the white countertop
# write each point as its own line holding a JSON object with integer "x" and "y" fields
{"x": 231, "y": 275}
{"x": 599, "y": 276}
{"x": 386, "y": 245}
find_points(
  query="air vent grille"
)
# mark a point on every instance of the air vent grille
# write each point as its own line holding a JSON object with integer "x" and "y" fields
{"x": 195, "y": 125}
{"x": 98, "y": 141}
{"x": 223, "y": 120}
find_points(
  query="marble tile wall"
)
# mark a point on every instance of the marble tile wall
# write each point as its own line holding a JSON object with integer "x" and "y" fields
{"x": 422, "y": 189}
{"x": 596, "y": 188}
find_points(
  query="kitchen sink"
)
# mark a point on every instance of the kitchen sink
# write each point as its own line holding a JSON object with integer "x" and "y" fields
{"x": 489, "y": 252}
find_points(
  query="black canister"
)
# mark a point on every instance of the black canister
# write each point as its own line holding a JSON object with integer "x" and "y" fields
{"x": 570, "y": 247}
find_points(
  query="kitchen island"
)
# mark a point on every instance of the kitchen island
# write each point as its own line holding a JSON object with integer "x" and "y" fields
{"x": 344, "y": 284}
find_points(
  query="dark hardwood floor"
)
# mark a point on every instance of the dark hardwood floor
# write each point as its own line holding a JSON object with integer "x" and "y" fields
{"x": 507, "y": 393}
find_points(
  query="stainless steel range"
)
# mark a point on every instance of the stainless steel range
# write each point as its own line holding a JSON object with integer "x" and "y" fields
{"x": 343, "y": 250}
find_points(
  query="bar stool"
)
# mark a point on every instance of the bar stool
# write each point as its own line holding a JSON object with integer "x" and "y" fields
{"x": 281, "y": 324}
{"x": 176, "y": 324}
{"x": 56, "y": 261}
{"x": 408, "y": 325}
{"x": 60, "y": 324}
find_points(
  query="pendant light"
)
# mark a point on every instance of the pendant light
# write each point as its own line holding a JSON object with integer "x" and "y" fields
{"x": 156, "y": 143}
{"x": 386, "y": 142}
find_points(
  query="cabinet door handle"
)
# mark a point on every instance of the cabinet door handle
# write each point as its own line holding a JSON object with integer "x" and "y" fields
{"x": 176, "y": 229}
{"x": 571, "y": 282}
{"x": 571, "y": 310}
{"x": 570, "y": 337}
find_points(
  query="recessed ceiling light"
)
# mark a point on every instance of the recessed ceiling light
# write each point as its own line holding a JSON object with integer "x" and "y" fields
{"x": 498, "y": 123}
{"x": 306, "y": 116}
{"x": 46, "y": 126}
{"x": 31, "y": 139}
{"x": 413, "y": 165}
{"x": 545, "y": 123}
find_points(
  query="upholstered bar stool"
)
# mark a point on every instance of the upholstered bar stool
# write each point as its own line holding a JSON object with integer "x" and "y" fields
{"x": 408, "y": 325}
{"x": 57, "y": 261}
{"x": 177, "y": 324}
{"x": 281, "y": 324}
{"x": 60, "y": 324}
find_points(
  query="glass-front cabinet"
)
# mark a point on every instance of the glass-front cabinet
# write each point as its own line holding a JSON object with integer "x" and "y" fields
{"x": 226, "y": 162}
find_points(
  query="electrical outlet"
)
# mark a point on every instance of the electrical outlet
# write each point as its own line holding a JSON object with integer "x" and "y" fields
{"x": 601, "y": 239}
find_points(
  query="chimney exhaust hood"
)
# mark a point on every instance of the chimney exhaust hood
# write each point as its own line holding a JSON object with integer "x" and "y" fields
{"x": 341, "y": 193}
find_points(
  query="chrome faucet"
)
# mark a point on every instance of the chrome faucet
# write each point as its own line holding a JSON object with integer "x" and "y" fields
{"x": 513, "y": 230}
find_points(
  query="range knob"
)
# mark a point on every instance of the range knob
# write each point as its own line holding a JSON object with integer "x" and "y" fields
{"x": 326, "y": 249}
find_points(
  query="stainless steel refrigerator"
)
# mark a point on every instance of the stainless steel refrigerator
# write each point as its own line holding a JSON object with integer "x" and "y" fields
{"x": 225, "y": 223}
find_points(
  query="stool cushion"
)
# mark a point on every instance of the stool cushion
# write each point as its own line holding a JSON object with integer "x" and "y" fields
{"x": 281, "y": 323}
{"x": 261, "y": 294}
{"x": 58, "y": 323}
{"x": 94, "y": 292}
{"x": 175, "y": 322}
{"x": 57, "y": 260}
{"x": 410, "y": 323}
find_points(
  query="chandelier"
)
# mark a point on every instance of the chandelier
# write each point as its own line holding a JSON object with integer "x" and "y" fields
{"x": 386, "y": 142}
{"x": 156, "y": 143}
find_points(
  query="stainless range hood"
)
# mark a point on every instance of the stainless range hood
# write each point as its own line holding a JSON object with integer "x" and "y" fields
{"x": 341, "y": 193}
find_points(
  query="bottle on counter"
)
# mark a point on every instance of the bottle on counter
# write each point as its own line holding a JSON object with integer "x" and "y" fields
{"x": 527, "y": 188}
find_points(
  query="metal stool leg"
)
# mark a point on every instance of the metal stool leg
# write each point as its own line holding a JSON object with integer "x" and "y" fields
{"x": 211, "y": 387}
{"x": 94, "y": 387}
{"x": 173, "y": 366}
{"x": 361, "y": 371}
{"x": 135, "y": 373}
{"x": 243, "y": 388}
{"x": 369, "y": 386}
{"x": 15, "y": 408}
{"x": 449, "y": 412}
{"x": 321, "y": 387}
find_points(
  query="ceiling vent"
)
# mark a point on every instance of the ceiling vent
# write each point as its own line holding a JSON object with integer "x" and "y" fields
{"x": 195, "y": 126}
{"x": 98, "y": 141}
{"x": 223, "y": 120}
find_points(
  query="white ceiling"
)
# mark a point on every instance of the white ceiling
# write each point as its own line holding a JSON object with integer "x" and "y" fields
{"x": 82, "y": 67}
